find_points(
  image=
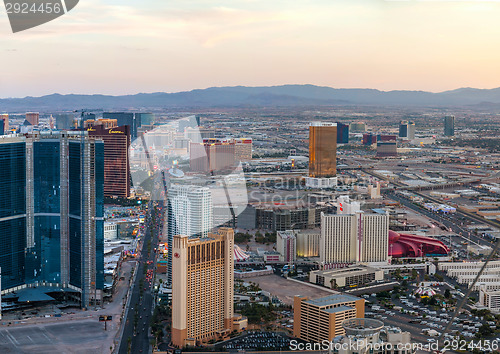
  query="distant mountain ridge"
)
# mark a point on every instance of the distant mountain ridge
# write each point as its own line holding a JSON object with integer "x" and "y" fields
{"x": 264, "y": 96}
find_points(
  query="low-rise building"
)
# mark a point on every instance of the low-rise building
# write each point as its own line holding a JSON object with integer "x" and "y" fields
{"x": 240, "y": 323}
{"x": 479, "y": 250}
{"x": 370, "y": 336}
{"x": 283, "y": 218}
{"x": 488, "y": 286}
{"x": 321, "y": 319}
{"x": 110, "y": 231}
{"x": 489, "y": 299}
{"x": 272, "y": 257}
{"x": 350, "y": 276}
{"x": 445, "y": 266}
{"x": 466, "y": 272}
{"x": 249, "y": 273}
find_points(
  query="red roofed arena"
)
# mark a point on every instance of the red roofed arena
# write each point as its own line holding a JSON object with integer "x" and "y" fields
{"x": 405, "y": 245}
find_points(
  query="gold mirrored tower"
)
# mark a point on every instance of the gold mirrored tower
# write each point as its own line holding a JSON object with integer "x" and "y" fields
{"x": 322, "y": 150}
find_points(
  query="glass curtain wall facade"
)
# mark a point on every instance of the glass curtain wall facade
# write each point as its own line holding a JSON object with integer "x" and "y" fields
{"x": 449, "y": 126}
{"x": 322, "y": 150}
{"x": 12, "y": 211}
{"x": 342, "y": 133}
{"x": 46, "y": 214}
{"x": 52, "y": 212}
{"x": 125, "y": 118}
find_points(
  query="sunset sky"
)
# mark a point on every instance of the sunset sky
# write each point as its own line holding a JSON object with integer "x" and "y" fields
{"x": 121, "y": 47}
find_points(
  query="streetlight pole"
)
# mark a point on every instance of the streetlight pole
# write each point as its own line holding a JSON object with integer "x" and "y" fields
{"x": 449, "y": 236}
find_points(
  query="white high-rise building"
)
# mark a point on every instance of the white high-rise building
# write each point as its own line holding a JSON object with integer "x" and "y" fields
{"x": 191, "y": 209}
{"x": 373, "y": 238}
{"x": 354, "y": 238}
{"x": 189, "y": 214}
{"x": 338, "y": 239}
{"x": 345, "y": 206}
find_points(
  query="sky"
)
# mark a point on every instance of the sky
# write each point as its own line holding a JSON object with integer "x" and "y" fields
{"x": 126, "y": 47}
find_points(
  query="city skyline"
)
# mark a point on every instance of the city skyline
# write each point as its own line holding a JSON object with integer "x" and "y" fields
{"x": 400, "y": 211}
{"x": 123, "y": 48}
{"x": 250, "y": 176}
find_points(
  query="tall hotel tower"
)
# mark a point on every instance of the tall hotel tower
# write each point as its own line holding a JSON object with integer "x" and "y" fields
{"x": 342, "y": 133}
{"x": 33, "y": 117}
{"x": 202, "y": 287}
{"x": 116, "y": 155}
{"x": 407, "y": 130}
{"x": 322, "y": 155}
{"x": 352, "y": 236}
{"x": 51, "y": 214}
{"x": 189, "y": 213}
{"x": 449, "y": 126}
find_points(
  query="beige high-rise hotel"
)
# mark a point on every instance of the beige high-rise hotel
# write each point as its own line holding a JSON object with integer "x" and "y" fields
{"x": 202, "y": 287}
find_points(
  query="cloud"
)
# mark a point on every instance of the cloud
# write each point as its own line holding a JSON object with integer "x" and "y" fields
{"x": 206, "y": 25}
{"x": 118, "y": 46}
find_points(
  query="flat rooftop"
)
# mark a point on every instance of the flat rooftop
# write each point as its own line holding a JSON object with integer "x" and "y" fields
{"x": 339, "y": 309}
{"x": 332, "y": 300}
{"x": 35, "y": 294}
{"x": 345, "y": 271}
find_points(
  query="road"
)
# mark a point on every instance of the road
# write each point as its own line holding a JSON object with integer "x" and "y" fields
{"x": 74, "y": 332}
{"x": 469, "y": 216}
{"x": 450, "y": 222}
{"x": 142, "y": 297}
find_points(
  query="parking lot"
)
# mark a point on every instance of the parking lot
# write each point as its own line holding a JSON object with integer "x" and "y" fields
{"x": 423, "y": 322}
{"x": 258, "y": 341}
{"x": 69, "y": 337}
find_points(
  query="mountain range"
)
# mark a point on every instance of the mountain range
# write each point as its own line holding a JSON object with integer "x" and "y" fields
{"x": 265, "y": 96}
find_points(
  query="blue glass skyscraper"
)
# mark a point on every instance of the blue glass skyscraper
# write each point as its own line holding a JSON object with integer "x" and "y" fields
{"x": 342, "y": 133}
{"x": 449, "y": 126}
{"x": 125, "y": 118}
{"x": 51, "y": 201}
{"x": 145, "y": 118}
{"x": 12, "y": 210}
